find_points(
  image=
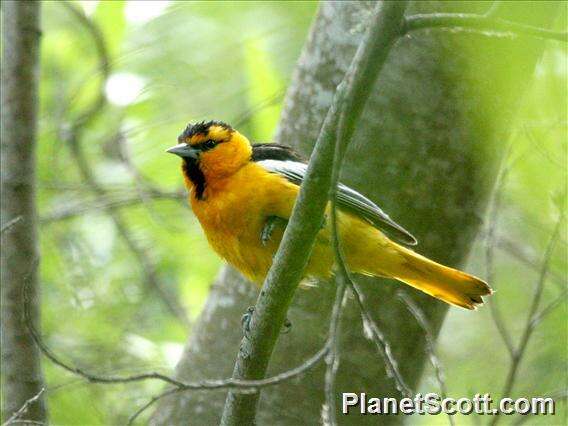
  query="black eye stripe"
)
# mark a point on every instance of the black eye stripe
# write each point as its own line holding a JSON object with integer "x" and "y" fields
{"x": 207, "y": 145}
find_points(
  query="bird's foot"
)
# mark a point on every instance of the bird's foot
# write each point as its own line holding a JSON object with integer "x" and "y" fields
{"x": 269, "y": 226}
{"x": 323, "y": 221}
{"x": 245, "y": 320}
{"x": 287, "y": 326}
{"x": 247, "y": 316}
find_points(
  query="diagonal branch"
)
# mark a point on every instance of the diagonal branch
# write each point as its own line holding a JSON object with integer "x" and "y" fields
{"x": 482, "y": 23}
{"x": 493, "y": 215}
{"x": 295, "y": 248}
{"x": 533, "y": 315}
{"x": 343, "y": 277}
{"x": 10, "y": 223}
{"x": 429, "y": 334}
{"x": 15, "y": 418}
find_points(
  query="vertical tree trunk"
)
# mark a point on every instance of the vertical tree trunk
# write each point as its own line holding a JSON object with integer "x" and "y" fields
{"x": 426, "y": 150}
{"x": 21, "y": 369}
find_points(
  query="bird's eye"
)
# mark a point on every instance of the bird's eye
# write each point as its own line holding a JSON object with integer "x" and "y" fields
{"x": 209, "y": 144}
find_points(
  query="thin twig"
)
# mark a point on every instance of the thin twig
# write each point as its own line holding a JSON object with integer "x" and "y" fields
{"x": 253, "y": 385}
{"x": 429, "y": 335}
{"x": 344, "y": 275}
{"x": 103, "y": 62}
{"x": 107, "y": 202}
{"x": 559, "y": 395}
{"x": 549, "y": 308}
{"x": 10, "y": 223}
{"x": 244, "y": 386}
{"x": 23, "y": 409}
{"x": 369, "y": 324}
{"x": 208, "y": 384}
{"x": 73, "y": 138}
{"x": 478, "y": 23}
{"x": 381, "y": 343}
{"x": 332, "y": 358}
{"x": 493, "y": 215}
{"x": 533, "y": 313}
{"x": 515, "y": 250}
{"x": 151, "y": 402}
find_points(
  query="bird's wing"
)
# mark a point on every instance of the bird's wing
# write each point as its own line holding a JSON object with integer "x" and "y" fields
{"x": 347, "y": 198}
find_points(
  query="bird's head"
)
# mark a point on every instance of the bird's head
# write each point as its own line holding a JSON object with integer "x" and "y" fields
{"x": 212, "y": 148}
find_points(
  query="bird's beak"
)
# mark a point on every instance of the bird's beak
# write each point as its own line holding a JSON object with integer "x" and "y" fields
{"x": 184, "y": 151}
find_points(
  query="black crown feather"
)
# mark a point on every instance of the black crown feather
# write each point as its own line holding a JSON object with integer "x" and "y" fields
{"x": 202, "y": 128}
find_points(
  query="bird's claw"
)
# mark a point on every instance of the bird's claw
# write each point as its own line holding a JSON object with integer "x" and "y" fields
{"x": 245, "y": 320}
{"x": 268, "y": 229}
{"x": 324, "y": 221}
{"x": 247, "y": 316}
{"x": 287, "y": 326}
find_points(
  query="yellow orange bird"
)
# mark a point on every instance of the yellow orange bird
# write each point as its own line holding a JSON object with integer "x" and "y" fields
{"x": 241, "y": 193}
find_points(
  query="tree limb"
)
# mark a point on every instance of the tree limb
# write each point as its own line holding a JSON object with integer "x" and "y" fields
{"x": 295, "y": 248}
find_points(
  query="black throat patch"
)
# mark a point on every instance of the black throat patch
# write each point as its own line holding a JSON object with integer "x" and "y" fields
{"x": 195, "y": 175}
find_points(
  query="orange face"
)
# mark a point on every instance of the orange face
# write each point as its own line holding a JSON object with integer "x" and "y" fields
{"x": 214, "y": 147}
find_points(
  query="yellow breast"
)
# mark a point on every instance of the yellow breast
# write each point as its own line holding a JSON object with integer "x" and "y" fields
{"x": 233, "y": 212}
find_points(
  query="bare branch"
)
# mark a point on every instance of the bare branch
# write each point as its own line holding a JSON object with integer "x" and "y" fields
{"x": 493, "y": 215}
{"x": 533, "y": 312}
{"x": 211, "y": 384}
{"x": 293, "y": 253}
{"x": 251, "y": 386}
{"x": 430, "y": 344}
{"x": 14, "y": 418}
{"x": 332, "y": 358}
{"x": 73, "y": 138}
{"x": 104, "y": 64}
{"x": 108, "y": 202}
{"x": 549, "y": 308}
{"x": 10, "y": 223}
{"x": 482, "y": 23}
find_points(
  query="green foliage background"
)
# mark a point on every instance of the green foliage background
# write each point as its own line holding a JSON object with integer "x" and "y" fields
{"x": 232, "y": 61}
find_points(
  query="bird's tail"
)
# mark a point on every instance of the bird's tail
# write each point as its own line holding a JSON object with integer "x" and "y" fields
{"x": 444, "y": 283}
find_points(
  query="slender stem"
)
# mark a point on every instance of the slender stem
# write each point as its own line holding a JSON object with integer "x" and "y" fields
{"x": 429, "y": 334}
{"x": 108, "y": 202}
{"x": 532, "y": 315}
{"x": 332, "y": 358}
{"x": 480, "y": 23}
{"x": 493, "y": 216}
{"x": 10, "y": 223}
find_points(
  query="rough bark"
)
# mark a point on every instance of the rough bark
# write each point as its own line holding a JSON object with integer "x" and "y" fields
{"x": 426, "y": 150}
{"x": 21, "y": 369}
